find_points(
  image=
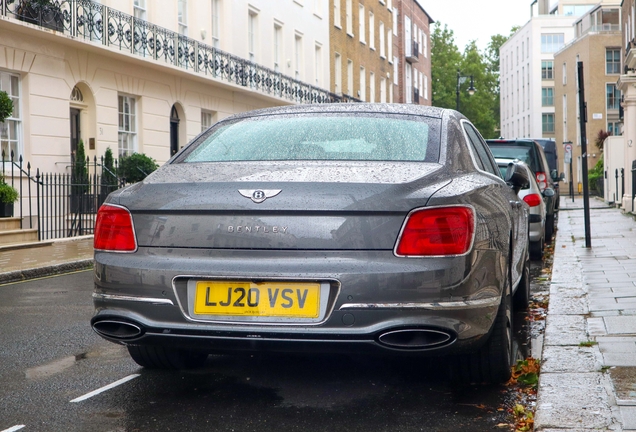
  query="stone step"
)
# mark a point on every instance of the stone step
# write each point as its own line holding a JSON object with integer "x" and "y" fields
{"x": 17, "y": 236}
{"x": 10, "y": 223}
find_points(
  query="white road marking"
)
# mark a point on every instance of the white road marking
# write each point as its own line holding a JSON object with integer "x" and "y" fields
{"x": 103, "y": 389}
{"x": 14, "y": 428}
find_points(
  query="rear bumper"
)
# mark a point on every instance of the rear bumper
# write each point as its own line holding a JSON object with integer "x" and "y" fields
{"x": 377, "y": 302}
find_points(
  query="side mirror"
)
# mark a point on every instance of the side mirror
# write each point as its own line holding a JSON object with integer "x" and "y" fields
{"x": 549, "y": 192}
{"x": 562, "y": 177}
{"x": 554, "y": 175}
{"x": 517, "y": 176}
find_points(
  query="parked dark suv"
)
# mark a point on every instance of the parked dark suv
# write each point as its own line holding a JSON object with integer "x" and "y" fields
{"x": 531, "y": 152}
{"x": 549, "y": 148}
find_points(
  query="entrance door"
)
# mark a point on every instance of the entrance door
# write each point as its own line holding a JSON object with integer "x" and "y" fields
{"x": 174, "y": 131}
{"x": 75, "y": 130}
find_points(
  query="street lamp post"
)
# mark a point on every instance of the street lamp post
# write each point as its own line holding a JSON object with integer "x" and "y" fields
{"x": 460, "y": 79}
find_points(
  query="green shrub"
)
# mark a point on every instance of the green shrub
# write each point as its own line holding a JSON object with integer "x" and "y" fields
{"x": 136, "y": 167}
{"x": 6, "y": 106}
{"x": 594, "y": 174}
{"x": 79, "y": 176}
{"x": 8, "y": 194}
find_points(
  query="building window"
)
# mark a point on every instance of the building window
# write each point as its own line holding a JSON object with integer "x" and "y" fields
{"x": 408, "y": 81}
{"x": 362, "y": 94}
{"x": 182, "y": 16}
{"x": 613, "y": 96}
{"x": 371, "y": 87}
{"x": 278, "y": 46}
{"x": 349, "y": 17}
{"x": 547, "y": 70}
{"x": 613, "y": 61}
{"x": 318, "y": 7}
{"x": 207, "y": 119}
{"x": 361, "y": 24}
{"x": 298, "y": 53}
{"x": 216, "y": 23}
{"x": 251, "y": 35}
{"x": 139, "y": 10}
{"x": 337, "y": 74}
{"x": 11, "y": 128}
{"x": 127, "y": 126}
{"x": 382, "y": 41}
{"x": 547, "y": 96}
{"x": 318, "y": 64}
{"x": 424, "y": 44}
{"x": 565, "y": 73}
{"x": 551, "y": 42}
{"x": 395, "y": 22}
{"x": 389, "y": 44}
{"x": 395, "y": 70}
{"x": 547, "y": 122}
{"x": 425, "y": 87}
{"x": 383, "y": 90}
{"x": 615, "y": 128}
{"x": 371, "y": 30}
{"x": 336, "y": 13}
{"x": 349, "y": 77}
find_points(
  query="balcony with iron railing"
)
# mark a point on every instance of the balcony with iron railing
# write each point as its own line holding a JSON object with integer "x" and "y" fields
{"x": 93, "y": 22}
{"x": 412, "y": 54}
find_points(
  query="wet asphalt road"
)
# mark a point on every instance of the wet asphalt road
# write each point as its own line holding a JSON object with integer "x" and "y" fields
{"x": 49, "y": 356}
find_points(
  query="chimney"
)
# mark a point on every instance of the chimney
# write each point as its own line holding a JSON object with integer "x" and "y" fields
{"x": 544, "y": 7}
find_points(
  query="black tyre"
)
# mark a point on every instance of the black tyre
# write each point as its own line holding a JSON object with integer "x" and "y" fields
{"x": 155, "y": 357}
{"x": 536, "y": 250}
{"x": 493, "y": 362}
{"x": 521, "y": 298}
{"x": 549, "y": 227}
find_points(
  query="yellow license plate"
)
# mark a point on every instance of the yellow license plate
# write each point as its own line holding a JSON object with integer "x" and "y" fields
{"x": 266, "y": 299}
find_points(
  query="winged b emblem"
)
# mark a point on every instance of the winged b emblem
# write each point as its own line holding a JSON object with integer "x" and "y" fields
{"x": 259, "y": 195}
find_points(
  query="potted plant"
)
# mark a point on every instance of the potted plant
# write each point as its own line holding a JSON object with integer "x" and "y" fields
{"x": 109, "y": 181}
{"x": 8, "y": 196}
{"x": 80, "y": 183}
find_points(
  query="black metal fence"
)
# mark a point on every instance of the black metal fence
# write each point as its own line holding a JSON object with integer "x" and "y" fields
{"x": 60, "y": 205}
{"x": 92, "y": 21}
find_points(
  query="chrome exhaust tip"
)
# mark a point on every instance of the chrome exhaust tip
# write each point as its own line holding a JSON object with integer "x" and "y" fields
{"x": 415, "y": 338}
{"x": 117, "y": 329}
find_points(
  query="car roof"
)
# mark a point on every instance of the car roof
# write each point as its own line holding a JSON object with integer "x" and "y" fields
{"x": 370, "y": 108}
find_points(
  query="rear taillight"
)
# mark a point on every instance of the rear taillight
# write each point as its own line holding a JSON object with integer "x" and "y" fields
{"x": 542, "y": 180}
{"x": 437, "y": 231}
{"x": 114, "y": 230}
{"x": 532, "y": 200}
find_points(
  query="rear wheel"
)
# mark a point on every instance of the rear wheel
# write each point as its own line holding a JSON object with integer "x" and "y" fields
{"x": 536, "y": 250}
{"x": 493, "y": 362}
{"x": 156, "y": 357}
{"x": 549, "y": 227}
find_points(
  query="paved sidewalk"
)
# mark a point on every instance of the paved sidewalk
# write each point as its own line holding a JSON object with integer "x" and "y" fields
{"x": 588, "y": 375}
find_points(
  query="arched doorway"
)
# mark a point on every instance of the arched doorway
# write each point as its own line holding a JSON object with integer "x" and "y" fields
{"x": 174, "y": 131}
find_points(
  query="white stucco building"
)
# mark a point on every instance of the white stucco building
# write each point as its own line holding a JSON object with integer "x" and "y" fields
{"x": 90, "y": 71}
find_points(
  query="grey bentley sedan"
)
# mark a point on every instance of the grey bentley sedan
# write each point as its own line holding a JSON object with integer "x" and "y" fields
{"x": 359, "y": 228}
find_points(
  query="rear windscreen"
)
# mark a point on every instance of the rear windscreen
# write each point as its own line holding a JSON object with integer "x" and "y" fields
{"x": 355, "y": 137}
{"x": 524, "y": 154}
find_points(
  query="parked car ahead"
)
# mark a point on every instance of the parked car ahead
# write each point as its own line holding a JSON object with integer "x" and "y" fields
{"x": 549, "y": 148}
{"x": 533, "y": 197}
{"x": 363, "y": 228}
{"x": 531, "y": 152}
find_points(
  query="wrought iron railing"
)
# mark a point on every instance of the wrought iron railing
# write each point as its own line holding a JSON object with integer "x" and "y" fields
{"x": 60, "y": 205}
{"x": 92, "y": 21}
